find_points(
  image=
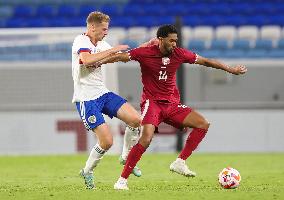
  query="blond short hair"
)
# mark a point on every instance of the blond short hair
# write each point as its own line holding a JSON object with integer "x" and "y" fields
{"x": 97, "y": 17}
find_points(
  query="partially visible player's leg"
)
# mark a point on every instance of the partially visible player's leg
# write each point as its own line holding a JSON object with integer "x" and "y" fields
{"x": 200, "y": 127}
{"x": 135, "y": 155}
{"x": 131, "y": 117}
{"x": 90, "y": 113}
{"x": 105, "y": 141}
{"x": 188, "y": 118}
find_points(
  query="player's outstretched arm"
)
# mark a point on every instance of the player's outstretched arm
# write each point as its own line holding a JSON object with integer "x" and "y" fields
{"x": 237, "y": 70}
{"x": 123, "y": 57}
{"x": 92, "y": 59}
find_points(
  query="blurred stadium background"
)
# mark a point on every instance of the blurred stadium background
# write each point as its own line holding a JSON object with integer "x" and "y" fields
{"x": 246, "y": 112}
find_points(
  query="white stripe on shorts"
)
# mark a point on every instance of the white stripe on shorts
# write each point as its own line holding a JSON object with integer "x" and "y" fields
{"x": 83, "y": 115}
{"x": 146, "y": 107}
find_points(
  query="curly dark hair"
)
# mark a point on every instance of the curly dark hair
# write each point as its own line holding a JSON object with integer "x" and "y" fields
{"x": 165, "y": 30}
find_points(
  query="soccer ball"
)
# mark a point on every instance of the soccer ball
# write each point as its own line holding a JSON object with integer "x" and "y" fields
{"x": 229, "y": 178}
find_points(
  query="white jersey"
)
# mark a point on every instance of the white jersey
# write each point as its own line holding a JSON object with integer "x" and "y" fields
{"x": 88, "y": 82}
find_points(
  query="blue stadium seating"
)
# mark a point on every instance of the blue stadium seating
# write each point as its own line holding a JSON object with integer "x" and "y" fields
{"x": 84, "y": 10}
{"x": 263, "y": 44}
{"x": 234, "y": 53}
{"x": 219, "y": 44}
{"x": 196, "y": 45}
{"x": 280, "y": 44}
{"x": 256, "y": 53}
{"x": 211, "y": 53}
{"x": 131, "y": 43}
{"x": 241, "y": 44}
{"x": 68, "y": 11}
{"x": 150, "y": 13}
{"x": 276, "y": 53}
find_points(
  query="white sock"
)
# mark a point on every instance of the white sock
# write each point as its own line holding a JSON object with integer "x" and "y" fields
{"x": 94, "y": 158}
{"x": 131, "y": 138}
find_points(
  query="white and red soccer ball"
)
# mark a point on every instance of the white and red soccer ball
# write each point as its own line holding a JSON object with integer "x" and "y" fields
{"x": 229, "y": 178}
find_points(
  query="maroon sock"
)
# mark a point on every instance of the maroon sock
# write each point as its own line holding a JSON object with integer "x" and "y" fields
{"x": 192, "y": 141}
{"x": 132, "y": 159}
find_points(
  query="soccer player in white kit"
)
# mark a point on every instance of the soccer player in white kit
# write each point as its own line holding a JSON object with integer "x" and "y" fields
{"x": 93, "y": 99}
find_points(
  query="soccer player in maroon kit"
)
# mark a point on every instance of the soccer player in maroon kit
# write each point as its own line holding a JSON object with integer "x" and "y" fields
{"x": 160, "y": 101}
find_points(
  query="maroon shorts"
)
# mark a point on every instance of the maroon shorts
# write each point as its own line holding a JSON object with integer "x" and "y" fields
{"x": 155, "y": 112}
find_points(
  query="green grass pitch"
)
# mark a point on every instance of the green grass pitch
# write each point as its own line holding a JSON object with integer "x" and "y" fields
{"x": 56, "y": 177}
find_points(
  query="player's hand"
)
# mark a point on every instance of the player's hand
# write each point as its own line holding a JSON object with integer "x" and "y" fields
{"x": 119, "y": 48}
{"x": 154, "y": 41}
{"x": 237, "y": 70}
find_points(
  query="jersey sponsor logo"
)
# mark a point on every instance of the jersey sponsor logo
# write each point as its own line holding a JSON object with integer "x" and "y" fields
{"x": 165, "y": 60}
{"x": 92, "y": 119}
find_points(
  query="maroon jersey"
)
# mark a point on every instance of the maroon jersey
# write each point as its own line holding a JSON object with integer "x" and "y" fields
{"x": 159, "y": 72}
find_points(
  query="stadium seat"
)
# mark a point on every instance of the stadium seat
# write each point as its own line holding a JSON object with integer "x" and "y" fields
{"x": 131, "y": 43}
{"x": 37, "y": 22}
{"x": 242, "y": 8}
{"x": 6, "y": 11}
{"x": 280, "y": 44}
{"x": 186, "y": 35}
{"x": 24, "y": 11}
{"x": 212, "y": 20}
{"x": 192, "y": 20}
{"x": 235, "y": 20}
{"x": 211, "y": 53}
{"x": 264, "y": 8}
{"x": 276, "y": 19}
{"x": 257, "y": 20}
{"x": 256, "y": 53}
{"x": 234, "y": 53}
{"x": 270, "y": 32}
{"x": 16, "y": 23}
{"x": 241, "y": 44}
{"x": 196, "y": 45}
{"x": 46, "y": 11}
{"x": 248, "y": 32}
{"x": 153, "y": 31}
{"x": 60, "y": 22}
{"x": 177, "y": 9}
{"x": 154, "y": 9}
{"x": 219, "y": 44}
{"x": 221, "y": 8}
{"x": 123, "y": 21}
{"x": 84, "y": 10}
{"x": 2, "y": 23}
{"x": 203, "y": 32}
{"x": 118, "y": 32}
{"x": 166, "y": 20}
{"x": 199, "y": 9}
{"x": 263, "y": 44}
{"x": 112, "y": 10}
{"x": 68, "y": 11}
{"x": 138, "y": 33}
{"x": 134, "y": 9}
{"x": 147, "y": 21}
{"x": 276, "y": 53}
{"x": 226, "y": 32}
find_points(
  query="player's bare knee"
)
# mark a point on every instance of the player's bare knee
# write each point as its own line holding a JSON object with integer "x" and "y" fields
{"x": 145, "y": 141}
{"x": 107, "y": 144}
{"x": 135, "y": 123}
{"x": 204, "y": 124}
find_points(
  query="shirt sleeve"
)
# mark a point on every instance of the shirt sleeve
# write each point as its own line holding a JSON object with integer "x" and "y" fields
{"x": 135, "y": 54}
{"x": 189, "y": 56}
{"x": 81, "y": 44}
